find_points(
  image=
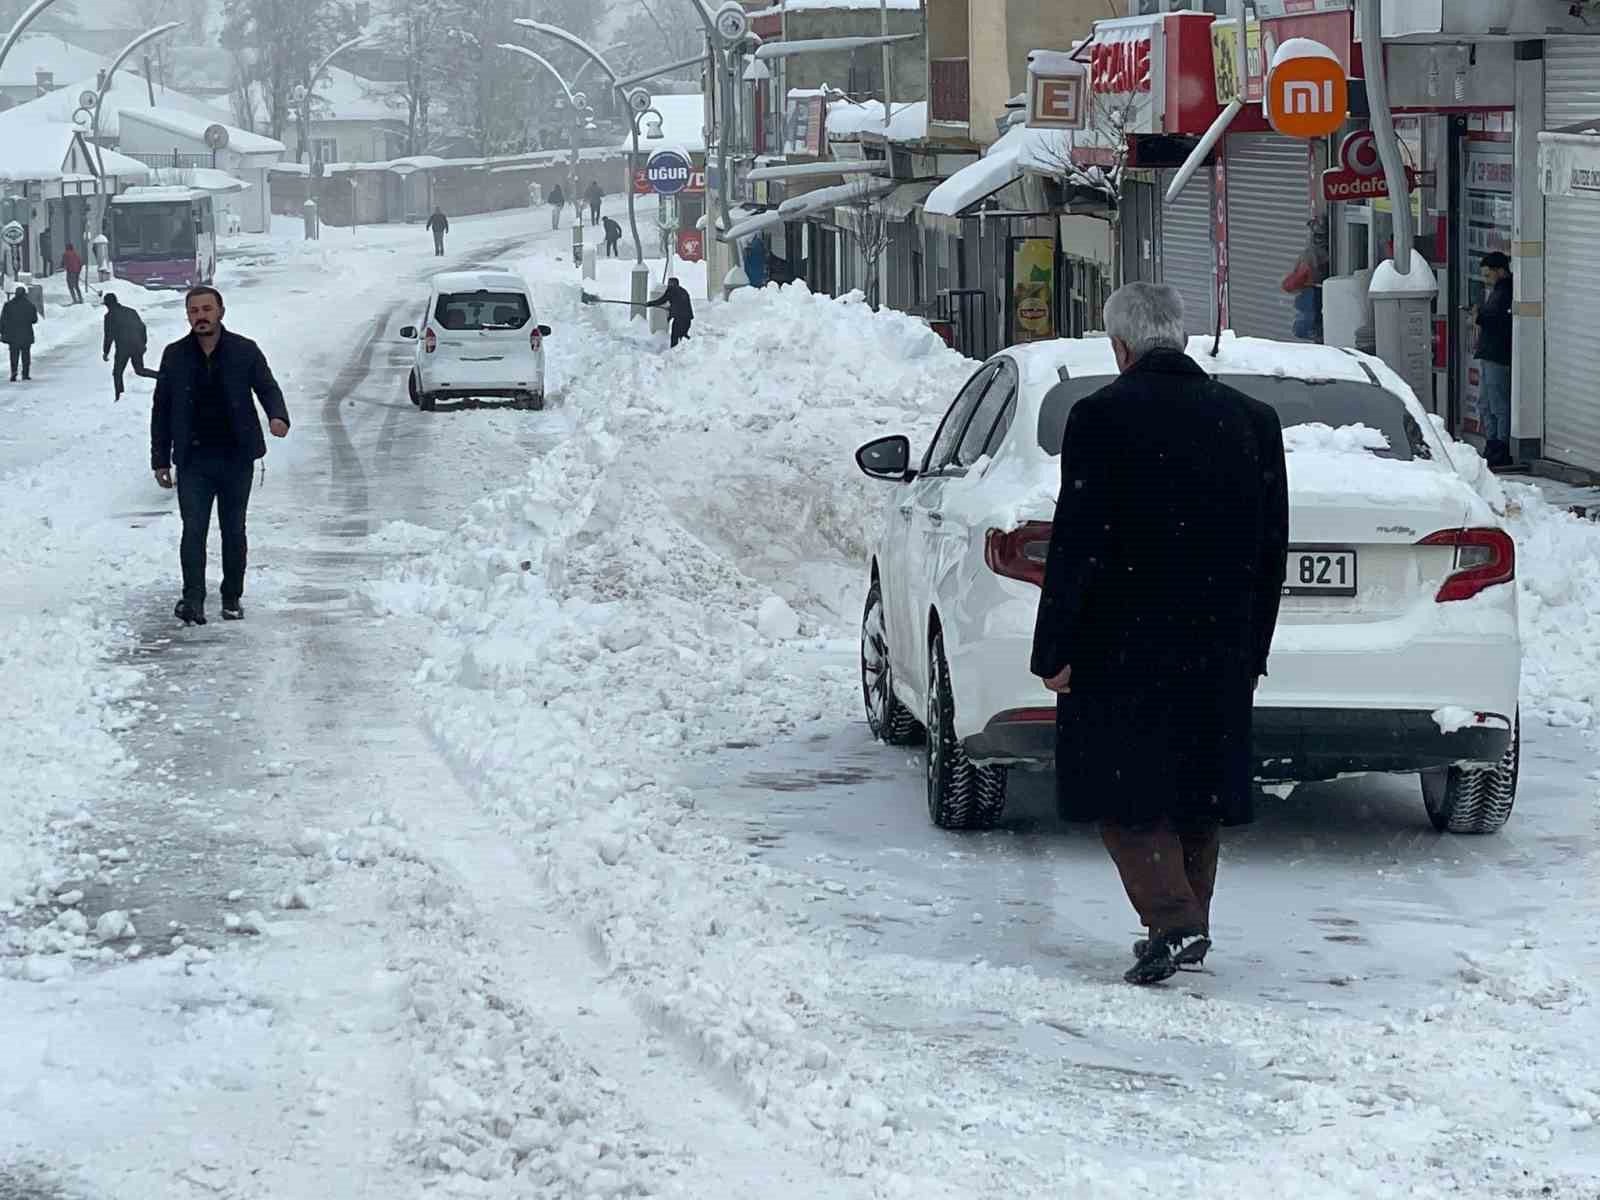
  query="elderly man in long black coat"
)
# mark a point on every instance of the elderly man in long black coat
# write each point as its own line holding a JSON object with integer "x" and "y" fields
{"x": 1161, "y": 592}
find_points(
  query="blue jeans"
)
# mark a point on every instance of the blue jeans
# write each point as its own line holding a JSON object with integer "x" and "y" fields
{"x": 1494, "y": 400}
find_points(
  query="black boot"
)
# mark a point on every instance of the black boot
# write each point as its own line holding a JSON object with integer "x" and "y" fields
{"x": 1191, "y": 954}
{"x": 188, "y": 613}
{"x": 232, "y": 610}
{"x": 1162, "y": 952}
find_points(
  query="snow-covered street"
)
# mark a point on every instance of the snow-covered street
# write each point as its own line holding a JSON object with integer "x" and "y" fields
{"x": 527, "y": 838}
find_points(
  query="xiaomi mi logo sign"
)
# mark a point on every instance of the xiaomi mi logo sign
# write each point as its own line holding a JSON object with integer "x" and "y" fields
{"x": 1307, "y": 94}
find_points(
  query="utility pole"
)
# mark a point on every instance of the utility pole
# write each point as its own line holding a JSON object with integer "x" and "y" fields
{"x": 1403, "y": 288}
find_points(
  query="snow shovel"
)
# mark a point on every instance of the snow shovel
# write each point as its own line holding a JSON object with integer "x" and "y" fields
{"x": 591, "y": 298}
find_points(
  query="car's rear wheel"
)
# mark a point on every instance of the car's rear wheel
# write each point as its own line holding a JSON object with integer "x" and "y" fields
{"x": 426, "y": 401}
{"x": 533, "y": 400}
{"x": 961, "y": 794}
{"x": 411, "y": 388}
{"x": 1474, "y": 799}
{"x": 891, "y": 722}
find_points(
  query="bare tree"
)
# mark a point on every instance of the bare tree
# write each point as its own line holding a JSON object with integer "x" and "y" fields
{"x": 873, "y": 233}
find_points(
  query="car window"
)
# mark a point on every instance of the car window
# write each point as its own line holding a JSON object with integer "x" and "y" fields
{"x": 1339, "y": 402}
{"x": 994, "y": 402}
{"x": 1057, "y": 407}
{"x": 1335, "y": 402}
{"x": 943, "y": 449}
{"x": 482, "y": 310}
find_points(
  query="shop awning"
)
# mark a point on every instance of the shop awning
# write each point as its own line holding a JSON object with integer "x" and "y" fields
{"x": 978, "y": 181}
{"x": 798, "y": 208}
{"x": 1569, "y": 161}
{"x": 750, "y": 226}
{"x": 897, "y": 205}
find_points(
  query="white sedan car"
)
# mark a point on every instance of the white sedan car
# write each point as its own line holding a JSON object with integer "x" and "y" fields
{"x": 1397, "y": 648}
{"x": 478, "y": 337}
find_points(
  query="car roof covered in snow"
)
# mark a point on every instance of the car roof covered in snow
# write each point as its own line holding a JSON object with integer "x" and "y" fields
{"x": 478, "y": 281}
{"x": 1041, "y": 362}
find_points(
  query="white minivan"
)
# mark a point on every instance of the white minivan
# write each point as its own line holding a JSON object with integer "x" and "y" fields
{"x": 478, "y": 337}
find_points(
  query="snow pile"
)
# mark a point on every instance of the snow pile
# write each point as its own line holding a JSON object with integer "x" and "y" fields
{"x": 1558, "y": 572}
{"x": 612, "y": 610}
{"x": 1314, "y": 436}
{"x": 58, "y": 718}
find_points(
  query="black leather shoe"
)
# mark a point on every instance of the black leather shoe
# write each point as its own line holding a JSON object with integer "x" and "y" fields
{"x": 188, "y": 613}
{"x": 232, "y": 610}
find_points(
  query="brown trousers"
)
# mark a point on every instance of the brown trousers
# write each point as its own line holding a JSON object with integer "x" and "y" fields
{"x": 1168, "y": 870}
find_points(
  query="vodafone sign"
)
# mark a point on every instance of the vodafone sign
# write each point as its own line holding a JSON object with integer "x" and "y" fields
{"x": 1360, "y": 175}
{"x": 1307, "y": 94}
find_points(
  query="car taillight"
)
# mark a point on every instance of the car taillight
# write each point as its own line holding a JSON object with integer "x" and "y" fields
{"x": 429, "y": 342}
{"x": 1485, "y": 558}
{"x": 535, "y": 340}
{"x": 1019, "y": 553}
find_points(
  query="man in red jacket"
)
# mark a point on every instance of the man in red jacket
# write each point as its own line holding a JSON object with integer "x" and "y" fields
{"x": 72, "y": 264}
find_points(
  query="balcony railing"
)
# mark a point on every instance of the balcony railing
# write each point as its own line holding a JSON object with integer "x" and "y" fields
{"x": 950, "y": 98}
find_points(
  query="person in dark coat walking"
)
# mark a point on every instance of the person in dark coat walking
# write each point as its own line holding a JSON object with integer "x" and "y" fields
{"x": 1493, "y": 318}
{"x": 438, "y": 225}
{"x": 124, "y": 331}
{"x": 613, "y": 237}
{"x": 72, "y": 264}
{"x": 556, "y": 199}
{"x": 17, "y": 319}
{"x": 680, "y": 309}
{"x": 203, "y": 422}
{"x": 594, "y": 196}
{"x": 1167, "y": 560}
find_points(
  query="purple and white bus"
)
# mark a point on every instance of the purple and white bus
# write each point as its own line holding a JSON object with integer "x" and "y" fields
{"x": 164, "y": 237}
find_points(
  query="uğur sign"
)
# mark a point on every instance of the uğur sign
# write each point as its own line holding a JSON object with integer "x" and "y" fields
{"x": 1307, "y": 93}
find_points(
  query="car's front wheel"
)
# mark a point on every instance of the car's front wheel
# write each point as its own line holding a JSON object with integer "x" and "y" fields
{"x": 891, "y": 722}
{"x": 961, "y": 794}
{"x": 1474, "y": 799}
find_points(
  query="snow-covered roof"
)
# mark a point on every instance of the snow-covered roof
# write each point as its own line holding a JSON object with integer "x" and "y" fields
{"x": 345, "y": 96}
{"x": 977, "y": 181}
{"x": 43, "y": 151}
{"x": 127, "y": 91}
{"x": 36, "y": 52}
{"x": 842, "y": 193}
{"x": 166, "y": 194}
{"x": 848, "y": 119}
{"x": 683, "y": 122}
{"x": 191, "y": 126}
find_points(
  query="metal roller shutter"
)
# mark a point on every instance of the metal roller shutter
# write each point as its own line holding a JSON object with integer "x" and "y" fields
{"x": 1572, "y": 273}
{"x": 1268, "y": 206}
{"x": 1187, "y": 259}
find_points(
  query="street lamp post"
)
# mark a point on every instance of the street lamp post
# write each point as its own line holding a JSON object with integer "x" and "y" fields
{"x": 305, "y": 93}
{"x": 579, "y": 104}
{"x": 99, "y": 104}
{"x": 637, "y": 101}
{"x": 22, "y": 23}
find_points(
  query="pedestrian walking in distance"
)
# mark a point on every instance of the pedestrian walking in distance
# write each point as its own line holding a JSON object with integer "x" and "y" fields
{"x": 72, "y": 264}
{"x": 680, "y": 309}
{"x": 1493, "y": 318}
{"x": 613, "y": 237}
{"x": 594, "y": 195}
{"x": 17, "y": 319}
{"x": 557, "y": 199}
{"x": 124, "y": 332}
{"x": 439, "y": 225}
{"x": 203, "y": 422}
{"x": 1161, "y": 592}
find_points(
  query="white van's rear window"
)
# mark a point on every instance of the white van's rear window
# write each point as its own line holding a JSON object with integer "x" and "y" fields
{"x": 483, "y": 310}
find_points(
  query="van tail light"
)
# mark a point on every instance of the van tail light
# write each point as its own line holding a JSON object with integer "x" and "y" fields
{"x": 1019, "y": 553}
{"x": 429, "y": 342}
{"x": 535, "y": 339}
{"x": 1485, "y": 558}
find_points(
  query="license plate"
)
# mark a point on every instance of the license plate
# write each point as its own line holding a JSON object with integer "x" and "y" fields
{"x": 1320, "y": 571}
